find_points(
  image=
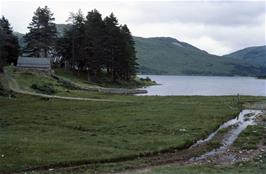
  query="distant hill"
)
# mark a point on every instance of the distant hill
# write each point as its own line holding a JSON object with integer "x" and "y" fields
{"x": 165, "y": 55}
{"x": 61, "y": 28}
{"x": 20, "y": 38}
{"x": 256, "y": 55}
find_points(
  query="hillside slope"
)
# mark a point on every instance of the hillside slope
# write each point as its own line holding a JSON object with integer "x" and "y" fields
{"x": 256, "y": 55}
{"x": 164, "y": 55}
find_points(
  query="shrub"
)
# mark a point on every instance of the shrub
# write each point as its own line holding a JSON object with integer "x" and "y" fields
{"x": 4, "y": 92}
{"x": 145, "y": 79}
{"x": 44, "y": 88}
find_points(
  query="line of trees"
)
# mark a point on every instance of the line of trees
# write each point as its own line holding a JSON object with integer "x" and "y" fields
{"x": 100, "y": 47}
{"x": 9, "y": 46}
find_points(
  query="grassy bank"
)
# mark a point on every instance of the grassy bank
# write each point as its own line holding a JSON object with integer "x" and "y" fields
{"x": 65, "y": 83}
{"x": 104, "y": 81}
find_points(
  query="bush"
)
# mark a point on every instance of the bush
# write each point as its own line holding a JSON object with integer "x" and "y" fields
{"x": 66, "y": 83}
{"x": 145, "y": 79}
{"x": 4, "y": 92}
{"x": 44, "y": 88}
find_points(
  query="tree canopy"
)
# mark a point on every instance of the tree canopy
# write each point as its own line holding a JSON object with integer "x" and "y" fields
{"x": 9, "y": 46}
{"x": 98, "y": 46}
{"x": 42, "y": 34}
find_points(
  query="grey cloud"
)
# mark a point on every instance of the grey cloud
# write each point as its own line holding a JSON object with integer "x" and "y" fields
{"x": 215, "y": 13}
{"x": 218, "y": 27}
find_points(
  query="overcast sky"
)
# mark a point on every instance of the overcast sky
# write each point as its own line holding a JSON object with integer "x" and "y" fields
{"x": 218, "y": 27}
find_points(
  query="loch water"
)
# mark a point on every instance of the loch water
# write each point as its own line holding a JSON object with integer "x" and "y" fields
{"x": 205, "y": 85}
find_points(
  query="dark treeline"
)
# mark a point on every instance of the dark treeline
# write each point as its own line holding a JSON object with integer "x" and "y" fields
{"x": 98, "y": 46}
{"x": 9, "y": 47}
{"x": 91, "y": 44}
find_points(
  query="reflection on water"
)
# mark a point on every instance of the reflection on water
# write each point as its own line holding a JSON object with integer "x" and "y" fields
{"x": 205, "y": 85}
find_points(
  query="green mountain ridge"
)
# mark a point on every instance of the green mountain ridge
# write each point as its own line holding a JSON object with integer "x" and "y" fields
{"x": 164, "y": 55}
{"x": 168, "y": 56}
{"x": 256, "y": 55}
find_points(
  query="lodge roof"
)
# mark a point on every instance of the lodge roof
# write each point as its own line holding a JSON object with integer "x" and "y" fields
{"x": 34, "y": 63}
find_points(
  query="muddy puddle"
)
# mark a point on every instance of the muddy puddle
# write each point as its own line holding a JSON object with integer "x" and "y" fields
{"x": 236, "y": 126}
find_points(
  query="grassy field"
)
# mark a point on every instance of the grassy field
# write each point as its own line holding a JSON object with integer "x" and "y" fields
{"x": 37, "y": 132}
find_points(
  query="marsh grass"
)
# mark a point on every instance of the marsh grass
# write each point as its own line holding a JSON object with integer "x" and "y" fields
{"x": 38, "y": 132}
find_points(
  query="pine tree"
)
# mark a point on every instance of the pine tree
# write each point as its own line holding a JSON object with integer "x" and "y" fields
{"x": 8, "y": 44}
{"x": 99, "y": 47}
{"x": 112, "y": 45}
{"x": 2, "y": 39}
{"x": 77, "y": 34}
{"x": 64, "y": 48}
{"x": 42, "y": 35}
{"x": 129, "y": 54}
{"x": 94, "y": 35}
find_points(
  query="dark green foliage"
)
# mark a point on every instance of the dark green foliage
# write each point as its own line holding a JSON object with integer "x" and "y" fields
{"x": 100, "y": 47}
{"x": 2, "y": 90}
{"x": 145, "y": 79}
{"x": 66, "y": 83}
{"x": 44, "y": 88}
{"x": 5, "y": 92}
{"x": 41, "y": 37}
{"x": 9, "y": 46}
{"x": 94, "y": 46}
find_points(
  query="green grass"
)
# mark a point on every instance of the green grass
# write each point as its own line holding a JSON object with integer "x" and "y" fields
{"x": 248, "y": 139}
{"x": 103, "y": 81}
{"x": 80, "y": 78}
{"x": 251, "y": 137}
{"x": 42, "y": 83}
{"x": 39, "y": 132}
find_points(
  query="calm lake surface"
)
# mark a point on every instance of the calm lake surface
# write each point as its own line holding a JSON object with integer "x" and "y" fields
{"x": 205, "y": 85}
